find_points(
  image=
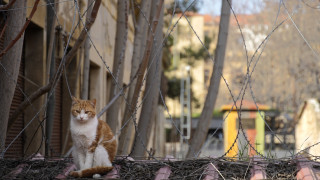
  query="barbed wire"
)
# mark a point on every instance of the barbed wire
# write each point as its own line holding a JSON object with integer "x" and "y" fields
{"x": 264, "y": 42}
{"x": 308, "y": 5}
{"x": 248, "y": 64}
{"x": 171, "y": 118}
{"x": 242, "y": 92}
{"x": 62, "y": 63}
{"x": 248, "y": 81}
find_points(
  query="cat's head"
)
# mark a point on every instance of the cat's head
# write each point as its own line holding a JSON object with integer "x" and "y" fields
{"x": 83, "y": 110}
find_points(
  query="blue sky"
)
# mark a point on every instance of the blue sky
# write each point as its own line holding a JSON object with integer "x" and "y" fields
{"x": 210, "y": 7}
{"x": 213, "y": 7}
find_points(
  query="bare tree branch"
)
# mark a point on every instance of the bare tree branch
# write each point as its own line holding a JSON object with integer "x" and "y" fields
{"x": 4, "y": 29}
{"x": 110, "y": 103}
{"x": 13, "y": 42}
{"x": 7, "y": 6}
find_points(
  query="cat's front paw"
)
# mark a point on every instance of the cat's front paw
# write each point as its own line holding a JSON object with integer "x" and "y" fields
{"x": 96, "y": 176}
{"x": 74, "y": 174}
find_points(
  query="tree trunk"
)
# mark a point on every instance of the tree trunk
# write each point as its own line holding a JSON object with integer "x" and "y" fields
{"x": 86, "y": 61}
{"x": 206, "y": 116}
{"x": 118, "y": 62}
{"x": 150, "y": 104}
{"x": 141, "y": 29}
{"x": 11, "y": 63}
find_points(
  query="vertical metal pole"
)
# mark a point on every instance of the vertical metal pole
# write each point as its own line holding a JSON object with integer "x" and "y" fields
{"x": 272, "y": 134}
{"x": 185, "y": 117}
{"x": 182, "y": 90}
{"x": 51, "y": 100}
{"x": 188, "y": 125}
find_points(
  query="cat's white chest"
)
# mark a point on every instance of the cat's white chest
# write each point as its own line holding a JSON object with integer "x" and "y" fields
{"x": 83, "y": 134}
{"x": 82, "y": 140}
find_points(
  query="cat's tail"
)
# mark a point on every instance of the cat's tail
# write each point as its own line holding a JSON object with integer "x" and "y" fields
{"x": 88, "y": 173}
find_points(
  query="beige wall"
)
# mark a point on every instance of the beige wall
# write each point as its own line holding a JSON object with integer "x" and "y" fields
{"x": 307, "y": 130}
{"x": 184, "y": 37}
{"x": 198, "y": 85}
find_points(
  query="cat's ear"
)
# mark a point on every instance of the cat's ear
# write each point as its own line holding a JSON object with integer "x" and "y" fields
{"x": 74, "y": 100}
{"x": 93, "y": 102}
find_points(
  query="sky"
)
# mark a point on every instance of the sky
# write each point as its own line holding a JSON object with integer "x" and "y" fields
{"x": 213, "y": 7}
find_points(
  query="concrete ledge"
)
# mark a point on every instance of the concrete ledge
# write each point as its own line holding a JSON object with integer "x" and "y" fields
{"x": 211, "y": 172}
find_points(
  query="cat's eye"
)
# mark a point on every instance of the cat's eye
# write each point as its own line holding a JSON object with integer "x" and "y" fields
{"x": 77, "y": 111}
{"x": 87, "y": 112}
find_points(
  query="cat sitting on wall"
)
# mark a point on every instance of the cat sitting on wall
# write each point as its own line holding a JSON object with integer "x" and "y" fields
{"x": 94, "y": 144}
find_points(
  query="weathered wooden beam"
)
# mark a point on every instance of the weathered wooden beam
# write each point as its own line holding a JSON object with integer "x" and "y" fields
{"x": 305, "y": 169}
{"x": 211, "y": 172}
{"x": 164, "y": 172}
{"x": 114, "y": 174}
{"x": 258, "y": 170}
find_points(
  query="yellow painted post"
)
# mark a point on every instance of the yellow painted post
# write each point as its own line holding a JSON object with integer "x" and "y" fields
{"x": 230, "y": 133}
{"x": 260, "y": 132}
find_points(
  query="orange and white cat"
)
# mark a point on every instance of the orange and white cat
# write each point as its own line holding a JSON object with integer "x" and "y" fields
{"x": 94, "y": 144}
